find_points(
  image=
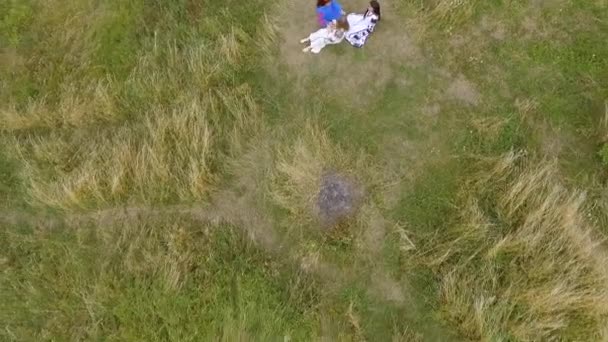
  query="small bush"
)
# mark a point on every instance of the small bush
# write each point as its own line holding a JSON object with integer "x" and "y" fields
{"x": 299, "y": 171}
{"x": 316, "y": 180}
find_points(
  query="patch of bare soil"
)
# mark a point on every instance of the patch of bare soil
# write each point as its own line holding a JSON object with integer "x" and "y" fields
{"x": 530, "y": 28}
{"x": 431, "y": 111}
{"x": 338, "y": 199}
{"x": 463, "y": 90}
{"x": 494, "y": 28}
{"x": 552, "y": 142}
{"x": 375, "y": 230}
{"x": 240, "y": 205}
{"x": 390, "y": 289}
{"x": 458, "y": 41}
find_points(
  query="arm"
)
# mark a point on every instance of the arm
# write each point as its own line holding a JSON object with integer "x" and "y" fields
{"x": 321, "y": 19}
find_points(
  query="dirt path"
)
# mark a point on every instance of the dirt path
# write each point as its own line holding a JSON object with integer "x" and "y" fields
{"x": 227, "y": 207}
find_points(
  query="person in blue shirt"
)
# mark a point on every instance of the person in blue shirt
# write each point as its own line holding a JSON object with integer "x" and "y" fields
{"x": 327, "y": 11}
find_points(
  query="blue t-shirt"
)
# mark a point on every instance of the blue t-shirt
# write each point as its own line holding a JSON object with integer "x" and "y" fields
{"x": 329, "y": 12}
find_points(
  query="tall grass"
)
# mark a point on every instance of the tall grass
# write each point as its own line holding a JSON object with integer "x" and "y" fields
{"x": 120, "y": 105}
{"x": 522, "y": 262}
{"x": 167, "y": 157}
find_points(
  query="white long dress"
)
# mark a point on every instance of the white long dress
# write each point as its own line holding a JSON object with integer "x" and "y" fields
{"x": 360, "y": 27}
{"x": 324, "y": 37}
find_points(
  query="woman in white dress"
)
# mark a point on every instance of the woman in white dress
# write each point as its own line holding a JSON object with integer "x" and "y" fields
{"x": 332, "y": 34}
{"x": 362, "y": 25}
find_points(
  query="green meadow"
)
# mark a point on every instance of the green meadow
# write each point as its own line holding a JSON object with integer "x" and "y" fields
{"x": 161, "y": 161}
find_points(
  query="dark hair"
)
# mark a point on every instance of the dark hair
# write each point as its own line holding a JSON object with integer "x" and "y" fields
{"x": 376, "y": 6}
{"x": 342, "y": 23}
{"x": 321, "y": 3}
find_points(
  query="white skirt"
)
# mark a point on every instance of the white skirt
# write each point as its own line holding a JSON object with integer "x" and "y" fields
{"x": 318, "y": 40}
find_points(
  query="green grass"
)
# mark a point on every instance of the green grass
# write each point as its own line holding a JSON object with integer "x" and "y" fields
{"x": 159, "y": 165}
{"x": 10, "y": 184}
{"x": 214, "y": 284}
{"x": 427, "y": 206}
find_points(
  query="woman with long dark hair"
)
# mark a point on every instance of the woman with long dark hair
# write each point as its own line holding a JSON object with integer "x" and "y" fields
{"x": 328, "y": 11}
{"x": 362, "y": 25}
{"x": 373, "y": 10}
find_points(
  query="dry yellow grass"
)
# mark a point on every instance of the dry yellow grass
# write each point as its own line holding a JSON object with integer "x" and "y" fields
{"x": 490, "y": 126}
{"x": 152, "y": 136}
{"x": 167, "y": 156}
{"x": 88, "y": 104}
{"x": 523, "y": 262}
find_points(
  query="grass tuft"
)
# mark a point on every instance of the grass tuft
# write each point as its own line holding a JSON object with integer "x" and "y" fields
{"x": 522, "y": 262}
{"x": 300, "y": 167}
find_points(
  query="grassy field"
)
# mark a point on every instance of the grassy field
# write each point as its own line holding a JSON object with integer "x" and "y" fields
{"x": 160, "y": 164}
